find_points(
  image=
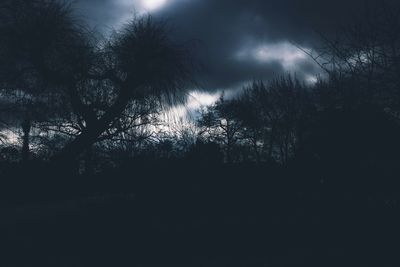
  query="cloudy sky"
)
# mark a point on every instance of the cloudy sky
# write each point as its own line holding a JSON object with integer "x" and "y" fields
{"x": 236, "y": 40}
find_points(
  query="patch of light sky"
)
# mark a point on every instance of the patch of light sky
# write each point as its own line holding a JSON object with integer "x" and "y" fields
{"x": 285, "y": 53}
{"x": 140, "y": 8}
{"x": 144, "y": 6}
{"x": 11, "y": 137}
{"x": 195, "y": 101}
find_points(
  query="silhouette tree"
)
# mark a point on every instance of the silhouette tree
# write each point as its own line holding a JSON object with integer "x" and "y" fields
{"x": 138, "y": 63}
{"x": 272, "y": 117}
{"x": 103, "y": 88}
{"x": 360, "y": 97}
{"x": 219, "y": 124}
{"x": 40, "y": 48}
{"x": 363, "y": 58}
{"x": 254, "y": 127}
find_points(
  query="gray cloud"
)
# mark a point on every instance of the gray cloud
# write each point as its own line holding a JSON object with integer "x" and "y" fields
{"x": 239, "y": 40}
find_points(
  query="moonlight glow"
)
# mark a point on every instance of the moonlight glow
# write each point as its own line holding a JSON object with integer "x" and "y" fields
{"x": 153, "y": 4}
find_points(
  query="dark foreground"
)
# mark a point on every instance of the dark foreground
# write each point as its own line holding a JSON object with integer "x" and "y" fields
{"x": 162, "y": 215}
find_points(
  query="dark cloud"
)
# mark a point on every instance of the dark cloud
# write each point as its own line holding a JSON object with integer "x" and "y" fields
{"x": 239, "y": 40}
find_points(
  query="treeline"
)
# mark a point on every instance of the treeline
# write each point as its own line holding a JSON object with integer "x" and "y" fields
{"x": 347, "y": 119}
{"x": 68, "y": 95}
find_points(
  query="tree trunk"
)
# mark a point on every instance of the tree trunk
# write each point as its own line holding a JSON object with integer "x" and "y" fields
{"x": 89, "y": 163}
{"x": 255, "y": 147}
{"x": 229, "y": 145}
{"x": 271, "y": 143}
{"x": 26, "y": 129}
{"x": 90, "y": 135}
{"x": 81, "y": 143}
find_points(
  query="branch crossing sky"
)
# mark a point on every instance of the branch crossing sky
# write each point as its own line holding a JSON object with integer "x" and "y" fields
{"x": 237, "y": 41}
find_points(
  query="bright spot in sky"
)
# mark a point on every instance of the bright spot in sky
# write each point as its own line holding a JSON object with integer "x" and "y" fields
{"x": 285, "y": 53}
{"x": 10, "y": 136}
{"x": 190, "y": 110}
{"x": 153, "y": 4}
{"x": 311, "y": 79}
{"x": 200, "y": 99}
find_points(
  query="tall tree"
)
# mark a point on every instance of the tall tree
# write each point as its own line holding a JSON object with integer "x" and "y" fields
{"x": 138, "y": 63}
{"x": 272, "y": 117}
{"x": 105, "y": 86}
{"x": 363, "y": 58}
{"x": 41, "y": 48}
{"x": 219, "y": 123}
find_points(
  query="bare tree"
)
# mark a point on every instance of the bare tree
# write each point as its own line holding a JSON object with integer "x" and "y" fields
{"x": 137, "y": 63}
{"x": 39, "y": 48}
{"x": 104, "y": 87}
{"x": 364, "y": 57}
{"x": 272, "y": 115}
{"x": 219, "y": 123}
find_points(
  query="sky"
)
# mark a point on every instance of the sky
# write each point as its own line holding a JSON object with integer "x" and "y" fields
{"x": 235, "y": 41}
